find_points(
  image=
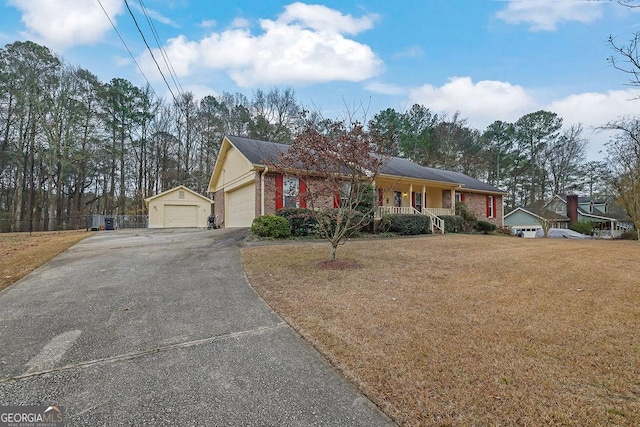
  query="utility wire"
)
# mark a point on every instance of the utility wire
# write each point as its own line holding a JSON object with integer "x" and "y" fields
{"x": 165, "y": 56}
{"x": 126, "y": 47}
{"x": 144, "y": 39}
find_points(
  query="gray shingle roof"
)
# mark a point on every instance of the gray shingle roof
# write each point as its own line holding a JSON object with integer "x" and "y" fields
{"x": 262, "y": 152}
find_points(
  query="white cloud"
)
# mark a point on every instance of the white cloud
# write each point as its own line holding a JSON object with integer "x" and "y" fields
{"x": 208, "y": 23}
{"x": 386, "y": 88}
{"x": 240, "y": 22}
{"x": 410, "y": 52}
{"x": 63, "y": 23}
{"x": 154, "y": 14}
{"x": 303, "y": 45}
{"x": 482, "y": 103}
{"x": 322, "y": 18}
{"x": 594, "y": 109}
{"x": 545, "y": 15}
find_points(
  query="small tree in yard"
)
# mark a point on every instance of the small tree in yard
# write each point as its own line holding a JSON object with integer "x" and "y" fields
{"x": 339, "y": 164}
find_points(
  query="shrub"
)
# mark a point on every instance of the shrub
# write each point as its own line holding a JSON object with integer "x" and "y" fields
{"x": 486, "y": 226}
{"x": 271, "y": 226}
{"x": 469, "y": 220}
{"x": 629, "y": 235}
{"x": 452, "y": 223}
{"x": 302, "y": 221}
{"x": 406, "y": 225}
{"x": 583, "y": 227}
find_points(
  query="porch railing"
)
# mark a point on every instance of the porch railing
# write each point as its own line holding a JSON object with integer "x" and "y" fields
{"x": 440, "y": 211}
{"x": 388, "y": 210}
{"x": 432, "y": 213}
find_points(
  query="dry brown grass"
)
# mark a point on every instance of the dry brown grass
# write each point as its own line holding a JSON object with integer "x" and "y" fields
{"x": 21, "y": 253}
{"x": 471, "y": 330}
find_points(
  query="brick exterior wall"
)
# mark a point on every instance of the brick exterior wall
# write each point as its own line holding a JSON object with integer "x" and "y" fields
{"x": 477, "y": 203}
{"x": 269, "y": 195}
{"x": 218, "y": 207}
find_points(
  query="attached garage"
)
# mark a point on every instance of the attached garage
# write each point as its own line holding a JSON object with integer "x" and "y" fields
{"x": 179, "y": 207}
{"x": 240, "y": 208}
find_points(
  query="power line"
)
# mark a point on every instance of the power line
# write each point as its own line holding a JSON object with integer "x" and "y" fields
{"x": 144, "y": 39}
{"x": 126, "y": 47}
{"x": 163, "y": 51}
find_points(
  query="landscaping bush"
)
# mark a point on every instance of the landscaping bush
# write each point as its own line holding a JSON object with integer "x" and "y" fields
{"x": 406, "y": 225}
{"x": 453, "y": 223}
{"x": 629, "y": 235}
{"x": 583, "y": 227}
{"x": 271, "y": 226}
{"x": 301, "y": 220}
{"x": 469, "y": 220}
{"x": 486, "y": 227}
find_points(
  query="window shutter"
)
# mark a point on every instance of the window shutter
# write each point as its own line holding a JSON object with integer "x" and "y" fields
{"x": 380, "y": 196}
{"x": 279, "y": 192}
{"x": 413, "y": 199}
{"x": 336, "y": 200}
{"x": 302, "y": 193}
{"x": 462, "y": 198}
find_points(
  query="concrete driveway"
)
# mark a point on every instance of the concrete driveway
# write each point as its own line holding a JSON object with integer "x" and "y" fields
{"x": 160, "y": 327}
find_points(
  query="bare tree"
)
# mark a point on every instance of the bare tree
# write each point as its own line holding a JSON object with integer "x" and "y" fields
{"x": 339, "y": 163}
{"x": 624, "y": 156}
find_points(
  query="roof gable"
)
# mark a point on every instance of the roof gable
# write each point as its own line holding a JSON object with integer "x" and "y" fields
{"x": 173, "y": 190}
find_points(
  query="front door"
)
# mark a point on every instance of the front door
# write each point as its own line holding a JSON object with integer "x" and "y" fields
{"x": 397, "y": 199}
{"x": 418, "y": 201}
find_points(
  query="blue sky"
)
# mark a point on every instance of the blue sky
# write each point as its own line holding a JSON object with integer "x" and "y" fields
{"x": 491, "y": 60}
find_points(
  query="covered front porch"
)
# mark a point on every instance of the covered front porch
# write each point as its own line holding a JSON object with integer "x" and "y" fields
{"x": 415, "y": 197}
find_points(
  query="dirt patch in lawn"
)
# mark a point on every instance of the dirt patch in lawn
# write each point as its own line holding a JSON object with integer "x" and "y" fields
{"x": 471, "y": 330}
{"x": 21, "y": 253}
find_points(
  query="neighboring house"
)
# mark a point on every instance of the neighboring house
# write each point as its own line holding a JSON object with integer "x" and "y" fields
{"x": 525, "y": 221}
{"x": 245, "y": 187}
{"x": 178, "y": 208}
{"x": 562, "y": 210}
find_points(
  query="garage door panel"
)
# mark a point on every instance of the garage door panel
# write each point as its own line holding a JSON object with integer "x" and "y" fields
{"x": 180, "y": 216}
{"x": 240, "y": 207}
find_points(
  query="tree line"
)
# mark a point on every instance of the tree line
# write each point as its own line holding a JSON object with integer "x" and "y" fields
{"x": 72, "y": 145}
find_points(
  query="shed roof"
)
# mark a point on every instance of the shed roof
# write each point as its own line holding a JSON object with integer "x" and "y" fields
{"x": 179, "y": 187}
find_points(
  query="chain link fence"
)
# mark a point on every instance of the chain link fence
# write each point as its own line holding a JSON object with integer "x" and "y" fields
{"x": 81, "y": 222}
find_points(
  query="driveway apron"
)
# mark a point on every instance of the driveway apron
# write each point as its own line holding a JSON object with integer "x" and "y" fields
{"x": 160, "y": 327}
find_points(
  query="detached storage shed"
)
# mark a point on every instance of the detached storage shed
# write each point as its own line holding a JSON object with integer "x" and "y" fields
{"x": 179, "y": 207}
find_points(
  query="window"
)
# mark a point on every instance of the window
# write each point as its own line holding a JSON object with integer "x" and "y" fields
{"x": 181, "y": 194}
{"x": 291, "y": 190}
{"x": 458, "y": 197}
{"x": 490, "y": 207}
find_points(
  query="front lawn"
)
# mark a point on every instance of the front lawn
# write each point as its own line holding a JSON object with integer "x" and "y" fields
{"x": 21, "y": 253}
{"x": 470, "y": 329}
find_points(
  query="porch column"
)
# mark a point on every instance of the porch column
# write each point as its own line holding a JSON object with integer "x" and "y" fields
{"x": 453, "y": 200}
{"x": 424, "y": 196}
{"x": 411, "y": 195}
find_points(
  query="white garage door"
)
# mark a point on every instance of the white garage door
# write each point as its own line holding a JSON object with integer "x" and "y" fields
{"x": 240, "y": 207}
{"x": 180, "y": 216}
